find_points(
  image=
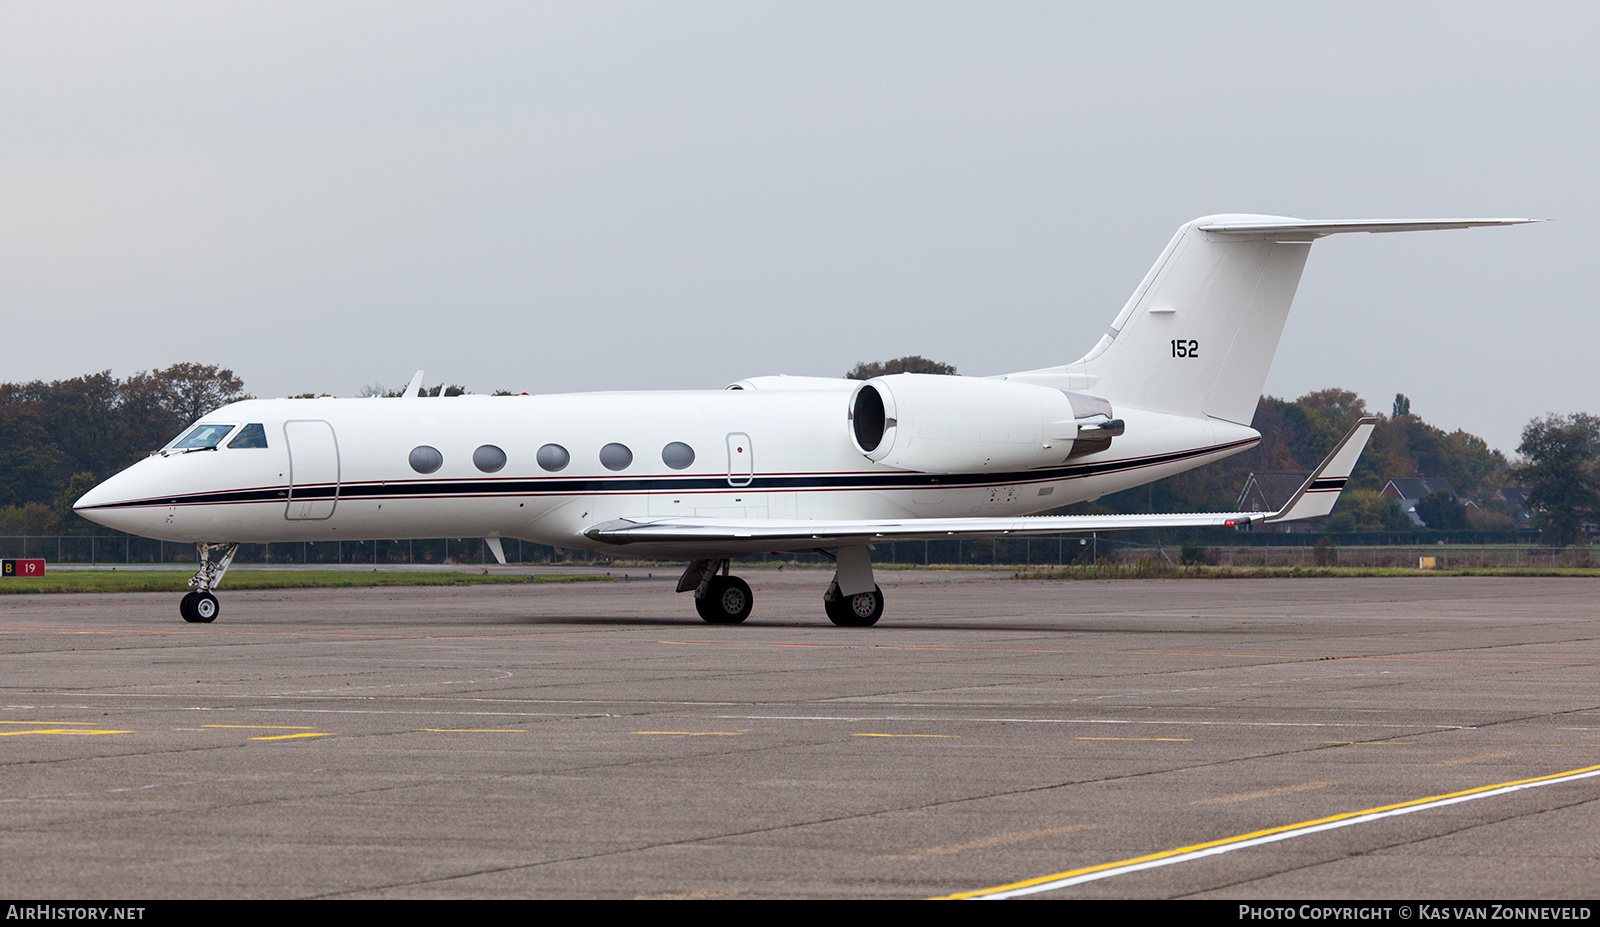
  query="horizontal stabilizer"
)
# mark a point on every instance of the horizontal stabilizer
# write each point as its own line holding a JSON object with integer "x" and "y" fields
{"x": 1314, "y": 497}
{"x": 1308, "y": 229}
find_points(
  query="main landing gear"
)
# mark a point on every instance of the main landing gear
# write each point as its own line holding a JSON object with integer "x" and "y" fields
{"x": 853, "y": 600}
{"x": 861, "y": 610}
{"x": 724, "y": 599}
{"x": 200, "y": 606}
{"x": 728, "y": 600}
{"x": 718, "y": 597}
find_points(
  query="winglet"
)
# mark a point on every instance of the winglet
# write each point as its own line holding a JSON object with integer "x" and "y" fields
{"x": 414, "y": 388}
{"x": 1320, "y": 491}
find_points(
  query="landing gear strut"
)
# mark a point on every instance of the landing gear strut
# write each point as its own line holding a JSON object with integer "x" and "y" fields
{"x": 200, "y": 606}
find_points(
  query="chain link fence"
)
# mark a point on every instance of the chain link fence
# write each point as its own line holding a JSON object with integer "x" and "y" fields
{"x": 124, "y": 549}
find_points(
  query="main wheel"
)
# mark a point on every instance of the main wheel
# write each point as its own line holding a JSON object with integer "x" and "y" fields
{"x": 727, "y": 601}
{"x": 861, "y": 610}
{"x": 833, "y": 605}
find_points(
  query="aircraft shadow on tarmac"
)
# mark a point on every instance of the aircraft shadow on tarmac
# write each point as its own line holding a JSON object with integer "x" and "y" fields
{"x": 1112, "y": 624}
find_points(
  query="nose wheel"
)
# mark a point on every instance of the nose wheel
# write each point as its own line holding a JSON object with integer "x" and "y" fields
{"x": 199, "y": 608}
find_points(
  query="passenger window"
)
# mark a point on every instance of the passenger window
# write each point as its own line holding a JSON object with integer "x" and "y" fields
{"x": 489, "y": 458}
{"x": 677, "y": 455}
{"x": 202, "y": 436}
{"x": 251, "y": 435}
{"x": 425, "y": 459}
{"x": 615, "y": 456}
{"x": 553, "y": 457}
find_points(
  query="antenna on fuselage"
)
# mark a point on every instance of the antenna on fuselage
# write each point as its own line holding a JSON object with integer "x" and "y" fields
{"x": 414, "y": 388}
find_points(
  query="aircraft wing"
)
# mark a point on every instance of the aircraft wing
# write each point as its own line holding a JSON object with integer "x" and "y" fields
{"x": 778, "y": 534}
{"x": 1315, "y": 497}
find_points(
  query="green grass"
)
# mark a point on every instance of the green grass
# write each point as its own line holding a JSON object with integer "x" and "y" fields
{"x": 178, "y": 580}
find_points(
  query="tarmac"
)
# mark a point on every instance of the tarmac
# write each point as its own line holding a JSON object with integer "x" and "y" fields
{"x": 1396, "y": 738}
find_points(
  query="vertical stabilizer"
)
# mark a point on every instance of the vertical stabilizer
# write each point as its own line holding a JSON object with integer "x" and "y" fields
{"x": 1198, "y": 335}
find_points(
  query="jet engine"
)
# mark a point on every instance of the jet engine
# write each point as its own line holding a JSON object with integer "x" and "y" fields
{"x": 968, "y": 425}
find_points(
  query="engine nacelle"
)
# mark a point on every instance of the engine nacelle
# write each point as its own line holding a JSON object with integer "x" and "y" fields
{"x": 968, "y": 425}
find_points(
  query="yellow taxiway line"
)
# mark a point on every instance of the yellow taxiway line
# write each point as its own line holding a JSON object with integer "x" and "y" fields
{"x": 60, "y": 730}
{"x": 1270, "y": 835}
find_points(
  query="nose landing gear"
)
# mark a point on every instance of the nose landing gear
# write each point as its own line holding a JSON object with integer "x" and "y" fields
{"x": 200, "y": 606}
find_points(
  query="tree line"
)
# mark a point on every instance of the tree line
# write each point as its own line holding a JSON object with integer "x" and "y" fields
{"x": 1295, "y": 437}
{"x": 1559, "y": 467}
{"x": 58, "y": 439}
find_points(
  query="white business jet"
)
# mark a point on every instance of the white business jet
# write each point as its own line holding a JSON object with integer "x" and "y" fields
{"x": 770, "y": 463}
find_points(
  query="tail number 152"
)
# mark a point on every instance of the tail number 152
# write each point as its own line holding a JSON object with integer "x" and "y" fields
{"x": 1182, "y": 348}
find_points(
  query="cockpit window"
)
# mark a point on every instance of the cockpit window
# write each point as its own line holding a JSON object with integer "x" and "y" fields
{"x": 251, "y": 435}
{"x": 202, "y": 436}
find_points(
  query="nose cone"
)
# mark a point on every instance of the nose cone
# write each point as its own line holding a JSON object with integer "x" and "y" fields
{"x": 94, "y": 498}
{"x": 114, "y": 504}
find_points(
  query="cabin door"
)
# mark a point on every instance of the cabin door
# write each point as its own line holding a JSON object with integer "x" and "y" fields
{"x": 741, "y": 460}
{"x": 313, "y": 470}
{"x": 738, "y": 500}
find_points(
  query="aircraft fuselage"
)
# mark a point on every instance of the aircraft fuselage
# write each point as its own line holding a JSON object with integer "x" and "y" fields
{"x": 337, "y": 469}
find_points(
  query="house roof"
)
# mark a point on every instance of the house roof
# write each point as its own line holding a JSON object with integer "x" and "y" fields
{"x": 1410, "y": 489}
{"x": 1269, "y": 492}
{"x": 1513, "y": 495}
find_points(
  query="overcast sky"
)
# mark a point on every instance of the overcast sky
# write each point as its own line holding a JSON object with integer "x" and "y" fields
{"x": 573, "y": 196}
